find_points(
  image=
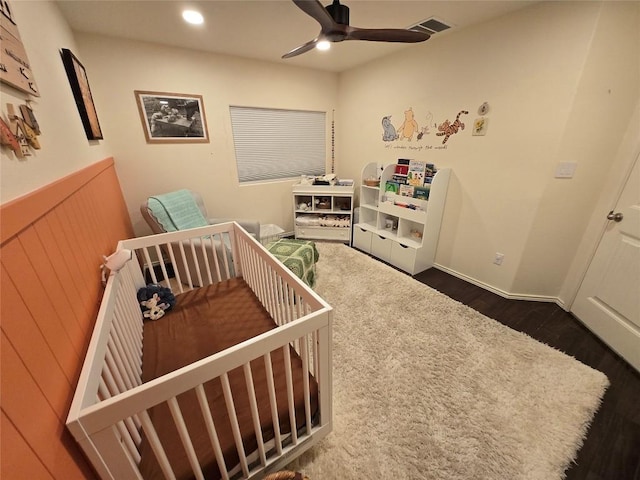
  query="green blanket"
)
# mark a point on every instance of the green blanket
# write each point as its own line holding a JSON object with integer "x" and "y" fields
{"x": 299, "y": 256}
{"x": 176, "y": 211}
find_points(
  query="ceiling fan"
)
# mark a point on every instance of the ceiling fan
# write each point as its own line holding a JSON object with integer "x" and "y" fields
{"x": 334, "y": 24}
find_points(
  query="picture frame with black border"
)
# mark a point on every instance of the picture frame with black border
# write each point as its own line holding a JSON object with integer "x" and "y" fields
{"x": 79, "y": 82}
{"x": 172, "y": 117}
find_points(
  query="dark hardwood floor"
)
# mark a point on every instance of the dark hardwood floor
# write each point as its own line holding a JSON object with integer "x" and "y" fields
{"x": 611, "y": 450}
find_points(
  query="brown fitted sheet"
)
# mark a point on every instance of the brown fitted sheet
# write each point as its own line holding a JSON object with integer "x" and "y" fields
{"x": 205, "y": 321}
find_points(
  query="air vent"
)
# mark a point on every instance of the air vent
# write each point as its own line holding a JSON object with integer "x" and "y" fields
{"x": 430, "y": 26}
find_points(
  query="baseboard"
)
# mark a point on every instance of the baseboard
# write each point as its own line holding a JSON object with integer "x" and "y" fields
{"x": 502, "y": 293}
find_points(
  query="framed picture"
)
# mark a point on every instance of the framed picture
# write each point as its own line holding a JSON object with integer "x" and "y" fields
{"x": 172, "y": 117}
{"x": 82, "y": 93}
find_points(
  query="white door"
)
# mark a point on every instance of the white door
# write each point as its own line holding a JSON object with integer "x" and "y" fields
{"x": 608, "y": 301}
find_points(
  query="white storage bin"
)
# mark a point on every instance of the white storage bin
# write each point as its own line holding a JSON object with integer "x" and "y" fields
{"x": 270, "y": 232}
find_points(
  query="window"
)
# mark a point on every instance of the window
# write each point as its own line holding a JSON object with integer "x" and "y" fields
{"x": 272, "y": 144}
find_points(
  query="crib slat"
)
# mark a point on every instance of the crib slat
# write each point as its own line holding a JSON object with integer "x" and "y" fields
{"x": 196, "y": 263}
{"x": 235, "y": 427}
{"x": 128, "y": 442}
{"x": 109, "y": 381}
{"x": 163, "y": 267}
{"x": 225, "y": 258}
{"x": 216, "y": 263}
{"x": 122, "y": 356}
{"x": 265, "y": 271}
{"x": 289, "y": 378}
{"x": 176, "y": 270}
{"x": 273, "y": 402}
{"x": 133, "y": 314}
{"x": 314, "y": 346}
{"x": 156, "y": 446}
{"x": 120, "y": 373}
{"x": 149, "y": 264}
{"x": 178, "y": 419}
{"x": 132, "y": 424}
{"x": 124, "y": 332}
{"x": 264, "y": 288}
{"x": 304, "y": 354}
{"x": 278, "y": 289}
{"x": 254, "y": 412}
{"x": 211, "y": 430}
{"x": 115, "y": 373}
{"x": 286, "y": 303}
{"x": 205, "y": 256}
{"x": 185, "y": 264}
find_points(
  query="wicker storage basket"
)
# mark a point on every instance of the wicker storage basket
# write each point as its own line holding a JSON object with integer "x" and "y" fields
{"x": 286, "y": 475}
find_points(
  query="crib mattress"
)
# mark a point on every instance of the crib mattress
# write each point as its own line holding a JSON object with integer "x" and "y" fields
{"x": 205, "y": 321}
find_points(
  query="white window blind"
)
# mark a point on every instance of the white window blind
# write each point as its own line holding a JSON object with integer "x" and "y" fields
{"x": 272, "y": 144}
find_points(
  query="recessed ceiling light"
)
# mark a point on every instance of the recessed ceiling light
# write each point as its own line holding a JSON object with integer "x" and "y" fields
{"x": 323, "y": 45}
{"x": 193, "y": 17}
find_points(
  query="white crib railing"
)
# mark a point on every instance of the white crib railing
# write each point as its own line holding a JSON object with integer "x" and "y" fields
{"x": 109, "y": 412}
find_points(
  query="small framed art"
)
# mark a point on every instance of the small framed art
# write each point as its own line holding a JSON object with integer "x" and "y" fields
{"x": 82, "y": 94}
{"x": 172, "y": 117}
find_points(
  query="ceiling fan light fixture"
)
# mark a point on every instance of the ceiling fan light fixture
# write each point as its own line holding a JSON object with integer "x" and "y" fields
{"x": 334, "y": 27}
{"x": 193, "y": 17}
{"x": 323, "y": 45}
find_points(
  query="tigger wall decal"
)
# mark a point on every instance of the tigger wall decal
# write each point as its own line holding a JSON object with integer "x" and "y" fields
{"x": 447, "y": 129}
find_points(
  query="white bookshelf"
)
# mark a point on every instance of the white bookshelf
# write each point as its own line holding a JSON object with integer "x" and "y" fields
{"x": 410, "y": 244}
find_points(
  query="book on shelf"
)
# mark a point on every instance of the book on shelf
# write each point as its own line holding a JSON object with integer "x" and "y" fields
{"x": 406, "y": 190}
{"x": 399, "y": 179}
{"x": 401, "y": 170}
{"x": 391, "y": 186}
{"x": 421, "y": 193}
{"x": 416, "y": 173}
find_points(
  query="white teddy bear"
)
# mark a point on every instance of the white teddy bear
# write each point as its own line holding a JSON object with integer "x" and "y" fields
{"x": 156, "y": 310}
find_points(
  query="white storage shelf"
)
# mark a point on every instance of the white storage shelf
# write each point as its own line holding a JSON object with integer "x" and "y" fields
{"x": 411, "y": 240}
{"x": 313, "y": 204}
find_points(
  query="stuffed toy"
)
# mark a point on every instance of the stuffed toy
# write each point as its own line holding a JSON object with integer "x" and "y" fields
{"x": 154, "y": 309}
{"x": 155, "y": 300}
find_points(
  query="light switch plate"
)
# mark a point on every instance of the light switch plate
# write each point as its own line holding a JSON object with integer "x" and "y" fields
{"x": 566, "y": 169}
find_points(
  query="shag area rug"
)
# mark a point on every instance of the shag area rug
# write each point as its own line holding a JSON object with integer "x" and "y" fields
{"x": 427, "y": 388}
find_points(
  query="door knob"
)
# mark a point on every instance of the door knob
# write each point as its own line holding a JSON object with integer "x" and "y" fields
{"x": 616, "y": 217}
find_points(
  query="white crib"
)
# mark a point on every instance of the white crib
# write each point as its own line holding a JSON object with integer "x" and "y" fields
{"x": 110, "y": 413}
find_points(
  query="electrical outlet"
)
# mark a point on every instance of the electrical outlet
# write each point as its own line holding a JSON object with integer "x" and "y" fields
{"x": 499, "y": 258}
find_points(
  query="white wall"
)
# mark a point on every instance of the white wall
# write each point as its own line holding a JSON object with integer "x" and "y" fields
{"x": 65, "y": 148}
{"x": 561, "y": 78}
{"x": 555, "y": 75}
{"x": 118, "y": 67}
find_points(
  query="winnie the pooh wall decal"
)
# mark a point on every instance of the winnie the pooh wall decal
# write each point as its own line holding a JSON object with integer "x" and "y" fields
{"x": 410, "y": 129}
{"x": 426, "y": 130}
{"x": 409, "y": 126}
{"x": 389, "y": 133}
{"x": 447, "y": 129}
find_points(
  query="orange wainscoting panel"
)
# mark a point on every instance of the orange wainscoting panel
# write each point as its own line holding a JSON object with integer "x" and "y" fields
{"x": 50, "y": 251}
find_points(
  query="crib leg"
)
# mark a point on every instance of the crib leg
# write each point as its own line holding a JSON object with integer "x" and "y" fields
{"x": 112, "y": 455}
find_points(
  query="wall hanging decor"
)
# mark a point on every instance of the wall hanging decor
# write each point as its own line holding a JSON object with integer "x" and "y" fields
{"x": 447, "y": 128}
{"x": 172, "y": 117}
{"x": 415, "y": 131}
{"x": 480, "y": 126}
{"x": 82, "y": 93}
{"x": 15, "y": 69}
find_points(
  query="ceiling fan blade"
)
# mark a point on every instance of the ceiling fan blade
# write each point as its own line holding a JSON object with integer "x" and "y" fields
{"x": 302, "y": 48}
{"x": 386, "y": 35}
{"x": 314, "y": 9}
